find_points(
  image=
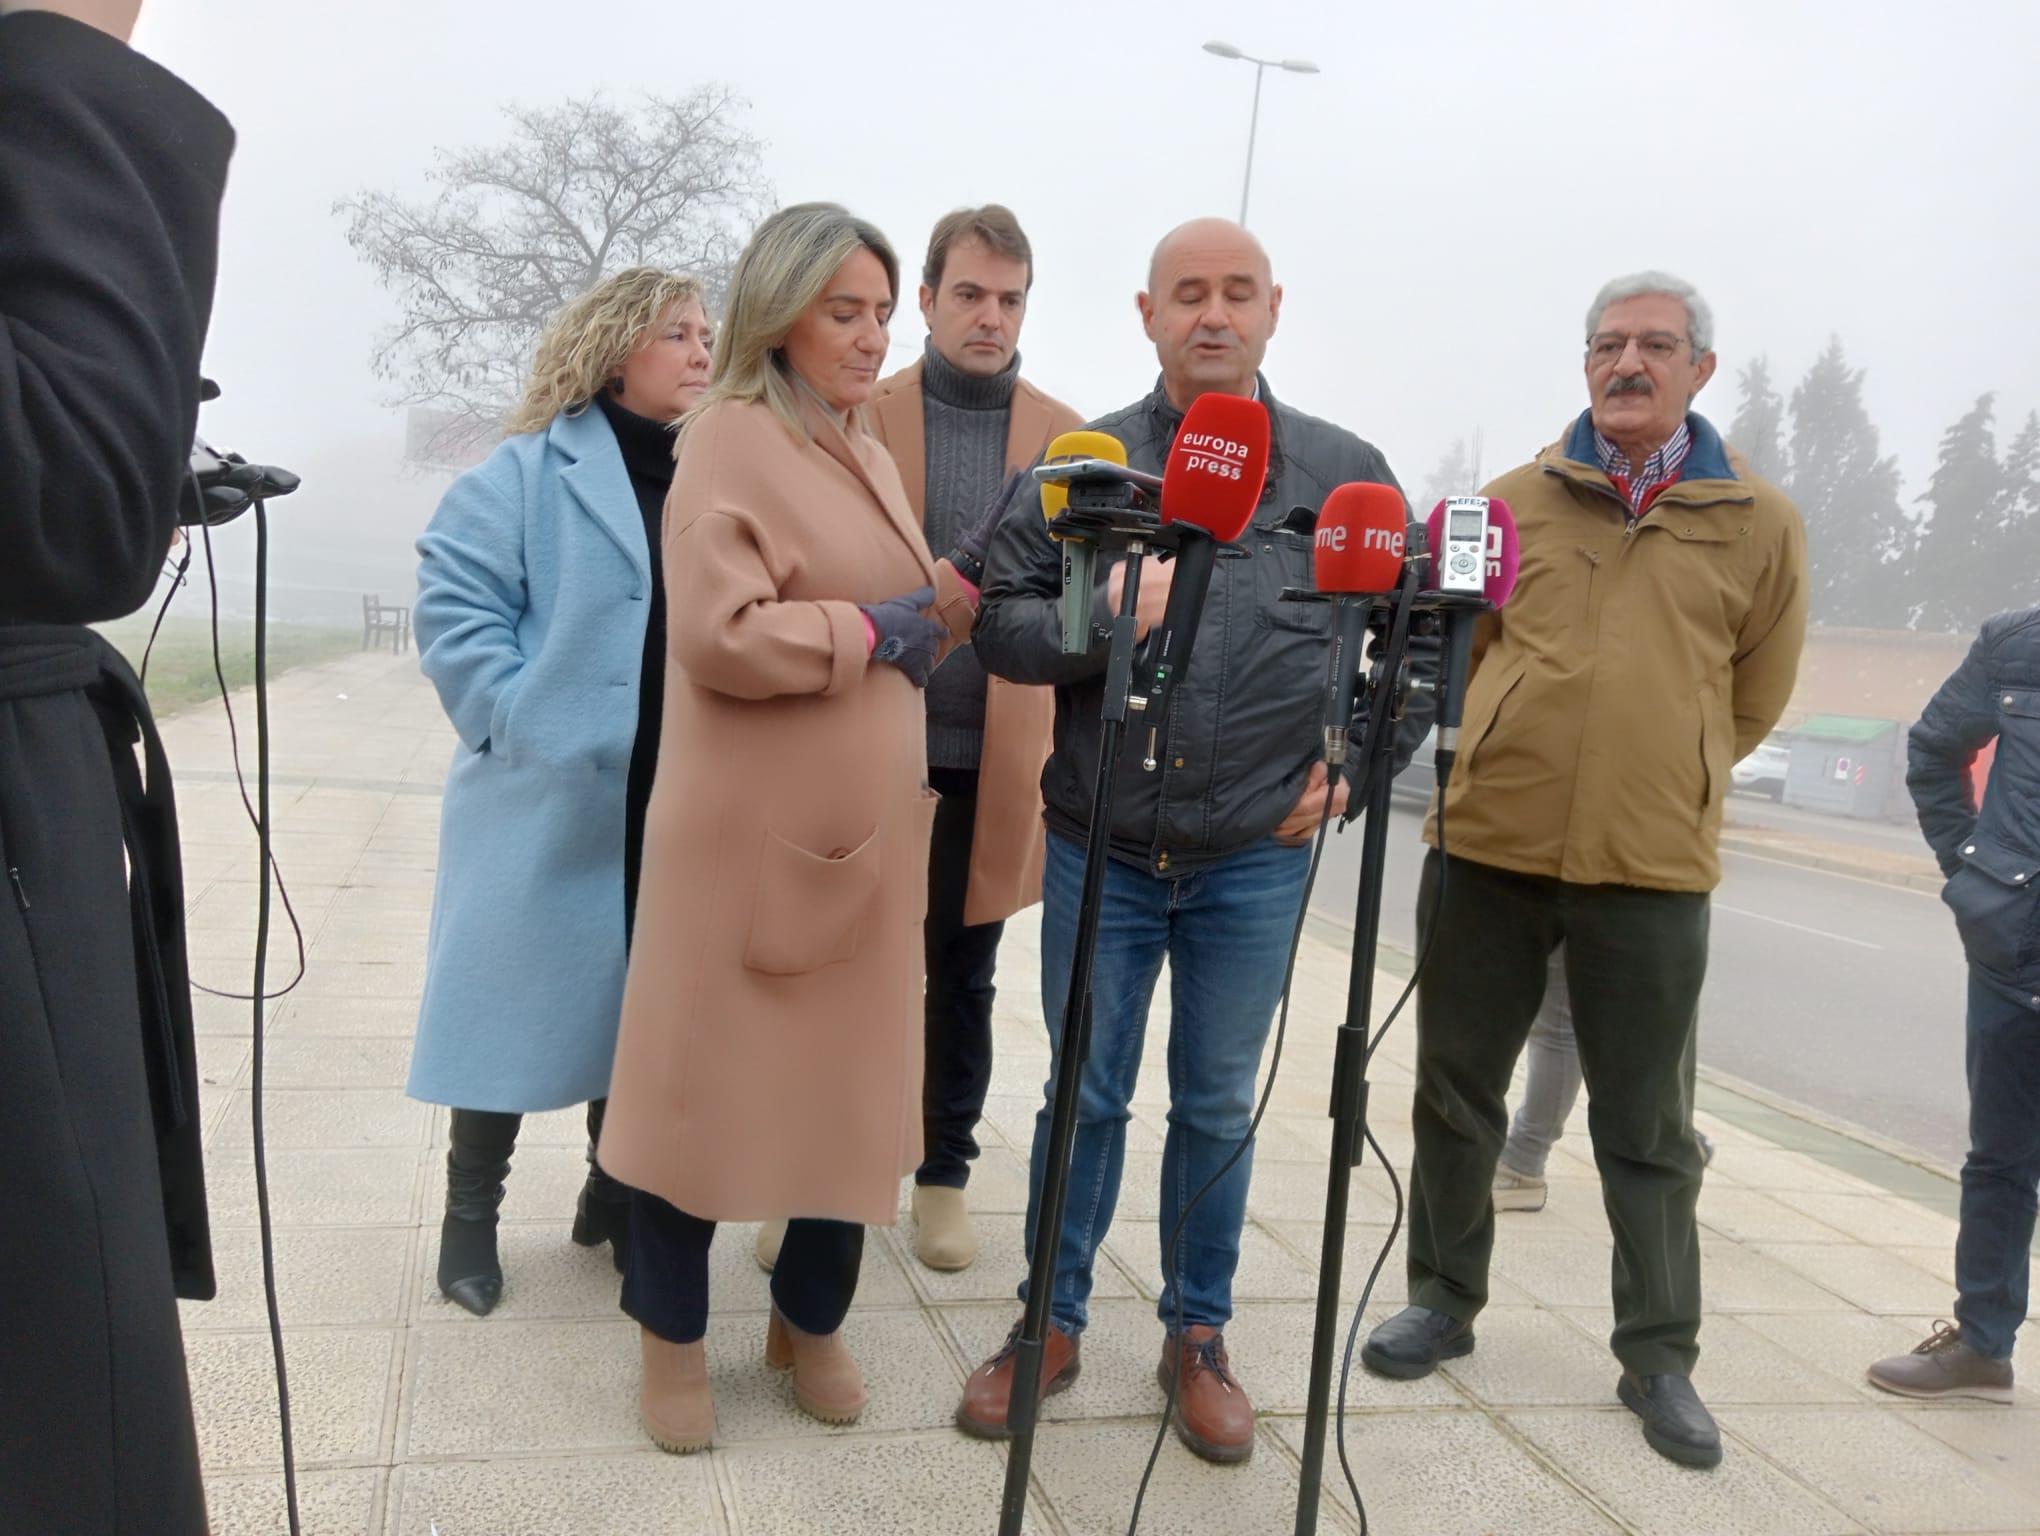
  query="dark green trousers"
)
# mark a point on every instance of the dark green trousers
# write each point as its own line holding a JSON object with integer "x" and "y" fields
{"x": 1635, "y": 960}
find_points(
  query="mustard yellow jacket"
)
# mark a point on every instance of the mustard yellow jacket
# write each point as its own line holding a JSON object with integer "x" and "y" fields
{"x": 1632, "y": 667}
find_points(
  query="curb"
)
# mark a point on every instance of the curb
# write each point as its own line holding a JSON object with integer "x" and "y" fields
{"x": 1832, "y": 1125}
{"x": 1901, "y": 1171}
{"x": 1834, "y": 864}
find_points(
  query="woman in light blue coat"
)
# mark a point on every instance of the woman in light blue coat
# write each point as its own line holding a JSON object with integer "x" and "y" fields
{"x": 540, "y": 620}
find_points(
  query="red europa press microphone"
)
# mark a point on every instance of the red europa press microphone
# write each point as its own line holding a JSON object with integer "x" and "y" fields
{"x": 1357, "y": 558}
{"x": 1211, "y": 483}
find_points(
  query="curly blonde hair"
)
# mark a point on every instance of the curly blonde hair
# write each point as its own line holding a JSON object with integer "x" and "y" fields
{"x": 586, "y": 342}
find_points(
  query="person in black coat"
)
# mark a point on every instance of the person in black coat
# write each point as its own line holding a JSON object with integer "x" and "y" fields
{"x": 1986, "y": 837}
{"x": 111, "y": 174}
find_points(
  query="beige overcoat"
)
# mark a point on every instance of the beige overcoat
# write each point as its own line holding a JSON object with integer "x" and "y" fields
{"x": 1008, "y": 844}
{"x": 769, "y": 1063}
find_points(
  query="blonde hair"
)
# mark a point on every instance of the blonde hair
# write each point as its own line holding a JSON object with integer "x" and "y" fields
{"x": 790, "y": 259}
{"x": 587, "y": 341}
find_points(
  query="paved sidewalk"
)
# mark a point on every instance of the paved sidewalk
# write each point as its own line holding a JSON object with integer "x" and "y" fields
{"x": 411, "y": 1414}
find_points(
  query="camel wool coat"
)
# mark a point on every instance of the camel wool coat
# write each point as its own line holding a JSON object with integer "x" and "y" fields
{"x": 1008, "y": 844}
{"x": 769, "y": 1063}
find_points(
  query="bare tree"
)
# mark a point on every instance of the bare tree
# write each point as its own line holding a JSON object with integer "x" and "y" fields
{"x": 578, "y": 191}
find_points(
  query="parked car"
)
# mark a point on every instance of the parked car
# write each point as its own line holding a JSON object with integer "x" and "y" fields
{"x": 1763, "y": 771}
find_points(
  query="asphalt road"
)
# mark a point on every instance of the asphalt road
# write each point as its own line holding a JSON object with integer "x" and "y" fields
{"x": 1838, "y": 993}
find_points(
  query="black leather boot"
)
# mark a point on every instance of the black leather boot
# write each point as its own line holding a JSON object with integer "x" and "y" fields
{"x": 477, "y": 1163}
{"x": 602, "y": 1213}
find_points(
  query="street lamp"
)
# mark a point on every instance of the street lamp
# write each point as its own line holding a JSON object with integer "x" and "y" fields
{"x": 1294, "y": 66}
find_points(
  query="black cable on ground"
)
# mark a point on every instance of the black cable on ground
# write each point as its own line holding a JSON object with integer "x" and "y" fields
{"x": 259, "y": 813}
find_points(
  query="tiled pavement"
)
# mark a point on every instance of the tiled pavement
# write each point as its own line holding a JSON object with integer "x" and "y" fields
{"x": 410, "y": 1414}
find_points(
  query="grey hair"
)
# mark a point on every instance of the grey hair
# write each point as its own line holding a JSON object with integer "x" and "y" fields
{"x": 1699, "y": 318}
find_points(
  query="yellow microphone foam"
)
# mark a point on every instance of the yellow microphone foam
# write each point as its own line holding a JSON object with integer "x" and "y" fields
{"x": 1069, "y": 448}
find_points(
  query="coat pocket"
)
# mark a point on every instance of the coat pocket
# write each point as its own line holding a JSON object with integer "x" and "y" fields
{"x": 1483, "y": 710}
{"x": 810, "y": 908}
{"x": 1715, "y": 736}
{"x": 1996, "y": 910}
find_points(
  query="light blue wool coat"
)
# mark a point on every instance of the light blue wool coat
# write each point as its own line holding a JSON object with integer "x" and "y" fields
{"x": 533, "y": 584}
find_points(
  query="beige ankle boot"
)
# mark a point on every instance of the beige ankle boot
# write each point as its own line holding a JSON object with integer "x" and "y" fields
{"x": 770, "y": 1236}
{"x": 945, "y": 1239}
{"x": 674, "y": 1403}
{"x": 826, "y": 1382}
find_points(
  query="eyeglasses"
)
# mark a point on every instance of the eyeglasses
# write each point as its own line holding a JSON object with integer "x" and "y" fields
{"x": 1659, "y": 346}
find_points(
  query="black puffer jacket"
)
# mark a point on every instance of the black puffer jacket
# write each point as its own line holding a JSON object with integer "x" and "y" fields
{"x": 1246, "y": 727}
{"x": 1991, "y": 853}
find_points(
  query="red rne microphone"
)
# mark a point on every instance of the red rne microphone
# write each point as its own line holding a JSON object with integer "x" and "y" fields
{"x": 1362, "y": 536}
{"x": 1211, "y": 483}
{"x": 1474, "y": 550}
{"x": 1357, "y": 556}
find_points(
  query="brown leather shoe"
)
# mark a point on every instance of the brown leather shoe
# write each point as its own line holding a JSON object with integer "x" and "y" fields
{"x": 989, "y": 1392}
{"x": 1213, "y": 1416}
{"x": 826, "y": 1382}
{"x": 1944, "y": 1366}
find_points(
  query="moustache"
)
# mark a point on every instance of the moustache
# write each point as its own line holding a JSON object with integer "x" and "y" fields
{"x": 1635, "y": 384}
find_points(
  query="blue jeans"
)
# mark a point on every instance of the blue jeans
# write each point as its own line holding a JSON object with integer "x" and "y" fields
{"x": 2002, "y": 1174}
{"x": 1225, "y": 931}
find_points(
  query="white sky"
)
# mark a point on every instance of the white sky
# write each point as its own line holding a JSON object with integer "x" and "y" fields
{"x": 1440, "y": 203}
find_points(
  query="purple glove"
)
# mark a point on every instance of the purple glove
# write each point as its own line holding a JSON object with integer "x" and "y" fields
{"x": 903, "y": 635}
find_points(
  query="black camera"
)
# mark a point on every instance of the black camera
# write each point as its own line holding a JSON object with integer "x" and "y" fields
{"x": 222, "y": 485}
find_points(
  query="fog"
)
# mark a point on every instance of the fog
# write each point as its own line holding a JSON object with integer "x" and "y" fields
{"x": 1440, "y": 203}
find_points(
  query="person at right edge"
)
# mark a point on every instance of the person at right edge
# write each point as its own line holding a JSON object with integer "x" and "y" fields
{"x": 1651, "y": 641}
{"x": 1208, "y": 852}
{"x": 111, "y": 173}
{"x": 1990, "y": 852}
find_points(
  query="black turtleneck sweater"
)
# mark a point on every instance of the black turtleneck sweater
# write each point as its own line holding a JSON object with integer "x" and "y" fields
{"x": 965, "y": 419}
{"x": 647, "y": 448}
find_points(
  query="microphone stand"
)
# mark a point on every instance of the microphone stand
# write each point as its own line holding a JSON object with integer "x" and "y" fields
{"x": 1023, "y": 1409}
{"x": 1349, "y": 1062}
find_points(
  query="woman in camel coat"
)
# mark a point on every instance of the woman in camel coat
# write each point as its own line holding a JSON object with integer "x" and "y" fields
{"x": 769, "y": 1064}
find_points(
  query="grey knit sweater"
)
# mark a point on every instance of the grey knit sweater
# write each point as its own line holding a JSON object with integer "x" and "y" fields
{"x": 966, "y": 421}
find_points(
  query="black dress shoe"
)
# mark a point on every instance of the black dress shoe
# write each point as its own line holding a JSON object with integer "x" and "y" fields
{"x": 1675, "y": 1421}
{"x": 1411, "y": 1343}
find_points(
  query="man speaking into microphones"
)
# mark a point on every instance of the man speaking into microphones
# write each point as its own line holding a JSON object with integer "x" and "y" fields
{"x": 1214, "y": 807}
{"x": 1651, "y": 641}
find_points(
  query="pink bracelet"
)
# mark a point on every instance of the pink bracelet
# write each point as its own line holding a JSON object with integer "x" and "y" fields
{"x": 870, "y": 634}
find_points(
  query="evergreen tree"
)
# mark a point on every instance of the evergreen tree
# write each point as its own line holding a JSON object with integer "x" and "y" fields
{"x": 1452, "y": 475}
{"x": 1759, "y": 425}
{"x": 2017, "y": 550}
{"x": 1858, "y": 535}
{"x": 1957, "y": 572}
